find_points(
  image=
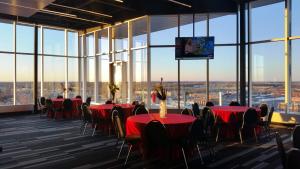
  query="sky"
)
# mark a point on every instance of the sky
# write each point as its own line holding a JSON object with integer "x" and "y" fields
{"x": 268, "y": 58}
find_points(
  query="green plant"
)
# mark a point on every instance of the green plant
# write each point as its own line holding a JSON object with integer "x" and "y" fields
{"x": 113, "y": 89}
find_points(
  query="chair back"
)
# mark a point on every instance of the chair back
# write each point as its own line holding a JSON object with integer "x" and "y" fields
{"x": 87, "y": 114}
{"x": 118, "y": 124}
{"x": 135, "y": 102}
{"x": 296, "y": 137}
{"x": 78, "y": 97}
{"x": 43, "y": 101}
{"x": 209, "y": 120}
{"x": 141, "y": 109}
{"x": 108, "y": 102}
{"x": 234, "y": 103}
{"x": 270, "y": 116}
{"x": 263, "y": 110}
{"x": 187, "y": 111}
{"x": 88, "y": 101}
{"x": 120, "y": 112}
{"x": 59, "y": 97}
{"x": 155, "y": 134}
{"x": 209, "y": 104}
{"x": 49, "y": 104}
{"x": 281, "y": 149}
{"x": 67, "y": 104}
{"x": 196, "y": 110}
{"x": 250, "y": 118}
{"x": 196, "y": 130}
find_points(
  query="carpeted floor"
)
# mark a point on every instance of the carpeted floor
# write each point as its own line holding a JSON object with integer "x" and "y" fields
{"x": 29, "y": 141}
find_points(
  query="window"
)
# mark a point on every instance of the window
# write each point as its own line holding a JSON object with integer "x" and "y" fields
{"x": 163, "y": 65}
{"x": 139, "y": 32}
{"x": 186, "y": 25}
{"x": 104, "y": 74}
{"x": 72, "y": 44}
{"x": 6, "y": 79}
{"x": 103, "y": 43}
{"x": 73, "y": 78}
{"x": 120, "y": 37}
{"x": 90, "y": 82}
{"x": 140, "y": 75}
{"x": 268, "y": 74}
{"x": 200, "y": 25}
{"x": 54, "y": 42}
{"x": 295, "y": 17}
{"x": 295, "y": 76}
{"x": 7, "y": 39}
{"x": 25, "y": 38}
{"x": 267, "y": 21}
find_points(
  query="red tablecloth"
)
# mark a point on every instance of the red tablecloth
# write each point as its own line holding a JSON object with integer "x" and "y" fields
{"x": 103, "y": 111}
{"x": 58, "y": 105}
{"x": 231, "y": 115}
{"x": 177, "y": 126}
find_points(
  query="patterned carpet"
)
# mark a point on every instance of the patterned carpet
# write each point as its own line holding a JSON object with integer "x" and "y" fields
{"x": 29, "y": 141}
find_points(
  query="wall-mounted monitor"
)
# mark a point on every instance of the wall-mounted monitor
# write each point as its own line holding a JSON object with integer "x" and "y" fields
{"x": 192, "y": 48}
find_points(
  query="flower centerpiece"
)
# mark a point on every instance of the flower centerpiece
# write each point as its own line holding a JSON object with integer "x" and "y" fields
{"x": 63, "y": 89}
{"x": 161, "y": 94}
{"x": 113, "y": 89}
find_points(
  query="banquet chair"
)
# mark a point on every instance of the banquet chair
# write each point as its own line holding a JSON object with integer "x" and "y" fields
{"x": 49, "y": 108}
{"x": 281, "y": 150}
{"x": 59, "y": 97}
{"x": 209, "y": 126}
{"x": 266, "y": 123}
{"x": 156, "y": 138}
{"x": 292, "y": 160}
{"x": 121, "y": 134}
{"x": 209, "y": 104}
{"x": 87, "y": 119}
{"x": 78, "y": 97}
{"x": 250, "y": 122}
{"x": 42, "y": 105}
{"x": 196, "y": 110}
{"x": 234, "y": 103}
{"x": 120, "y": 112}
{"x": 187, "y": 111}
{"x": 67, "y": 108}
{"x": 88, "y": 101}
{"x": 141, "y": 109}
{"x": 135, "y": 102}
{"x": 196, "y": 136}
{"x": 296, "y": 137}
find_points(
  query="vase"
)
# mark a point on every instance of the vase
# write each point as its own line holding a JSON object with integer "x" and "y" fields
{"x": 163, "y": 108}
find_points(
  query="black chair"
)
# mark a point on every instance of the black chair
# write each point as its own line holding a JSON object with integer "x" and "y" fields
{"x": 263, "y": 110}
{"x": 78, "y": 97}
{"x": 266, "y": 123}
{"x": 234, "y": 103}
{"x": 296, "y": 137}
{"x": 121, "y": 134}
{"x": 281, "y": 150}
{"x": 135, "y": 102}
{"x": 88, "y": 101}
{"x": 67, "y": 108}
{"x": 120, "y": 112}
{"x": 196, "y": 110}
{"x": 250, "y": 122}
{"x": 156, "y": 137}
{"x": 209, "y": 121}
{"x": 293, "y": 159}
{"x": 209, "y": 104}
{"x": 108, "y": 102}
{"x": 196, "y": 136}
{"x": 87, "y": 119}
{"x": 42, "y": 105}
{"x": 187, "y": 111}
{"x": 59, "y": 97}
{"x": 49, "y": 108}
{"x": 141, "y": 109}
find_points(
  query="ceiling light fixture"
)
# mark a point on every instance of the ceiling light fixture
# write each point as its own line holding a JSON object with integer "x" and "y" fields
{"x": 180, "y": 3}
{"x": 119, "y": 1}
{"x": 82, "y": 10}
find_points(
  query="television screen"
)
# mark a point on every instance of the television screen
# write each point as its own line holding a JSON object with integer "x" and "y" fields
{"x": 194, "y": 47}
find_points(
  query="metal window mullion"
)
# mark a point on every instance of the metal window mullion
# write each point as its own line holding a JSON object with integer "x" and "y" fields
{"x": 207, "y": 61}
{"x": 43, "y": 60}
{"x": 148, "y": 62}
{"x": 178, "y": 68}
{"x": 130, "y": 63}
{"x": 79, "y": 49}
{"x": 287, "y": 52}
{"x": 84, "y": 66}
{"x": 237, "y": 56}
{"x": 96, "y": 46}
{"x": 66, "y": 64}
{"x": 15, "y": 61}
{"x": 250, "y": 68}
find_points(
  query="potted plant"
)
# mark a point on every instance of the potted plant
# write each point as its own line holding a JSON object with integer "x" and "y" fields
{"x": 113, "y": 89}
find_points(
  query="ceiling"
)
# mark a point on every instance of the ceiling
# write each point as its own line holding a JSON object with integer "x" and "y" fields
{"x": 83, "y": 14}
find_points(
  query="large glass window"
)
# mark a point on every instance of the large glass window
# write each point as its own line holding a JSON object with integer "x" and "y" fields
{"x": 120, "y": 37}
{"x": 164, "y": 65}
{"x": 25, "y": 38}
{"x": 90, "y": 80}
{"x": 72, "y": 44}
{"x": 186, "y": 25}
{"x": 104, "y": 74}
{"x": 295, "y": 76}
{"x": 54, "y": 41}
{"x": 222, "y": 75}
{"x": 139, "y": 32}
{"x": 140, "y": 75}
{"x": 295, "y": 17}
{"x": 268, "y": 74}
{"x": 6, "y": 79}
{"x": 7, "y": 36}
{"x": 267, "y": 21}
{"x": 103, "y": 42}
{"x": 200, "y": 25}
{"x": 73, "y": 77}
{"x": 164, "y": 29}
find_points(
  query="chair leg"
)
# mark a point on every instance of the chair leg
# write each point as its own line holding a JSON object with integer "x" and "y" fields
{"x": 94, "y": 129}
{"x": 84, "y": 128}
{"x": 217, "y": 138}
{"x": 121, "y": 148}
{"x": 255, "y": 134}
{"x": 130, "y": 147}
{"x": 241, "y": 138}
{"x": 200, "y": 155}
{"x": 183, "y": 153}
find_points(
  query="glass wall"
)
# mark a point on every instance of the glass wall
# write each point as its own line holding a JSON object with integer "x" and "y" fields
{"x": 90, "y": 67}
{"x": 6, "y": 79}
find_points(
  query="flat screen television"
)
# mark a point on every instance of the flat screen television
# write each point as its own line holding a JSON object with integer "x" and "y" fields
{"x": 192, "y": 48}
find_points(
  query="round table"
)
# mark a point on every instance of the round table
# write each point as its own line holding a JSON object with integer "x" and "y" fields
{"x": 177, "y": 125}
{"x": 58, "y": 105}
{"x": 232, "y": 117}
{"x": 103, "y": 111}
